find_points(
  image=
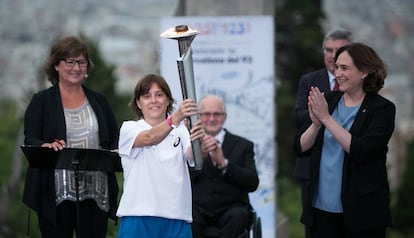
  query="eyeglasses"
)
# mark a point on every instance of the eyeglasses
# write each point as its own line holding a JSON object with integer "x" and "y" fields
{"x": 71, "y": 63}
{"x": 206, "y": 115}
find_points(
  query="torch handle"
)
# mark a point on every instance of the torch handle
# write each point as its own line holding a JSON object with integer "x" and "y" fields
{"x": 196, "y": 147}
{"x": 186, "y": 73}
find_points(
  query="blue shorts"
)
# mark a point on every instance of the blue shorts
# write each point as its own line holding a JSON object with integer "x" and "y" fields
{"x": 153, "y": 227}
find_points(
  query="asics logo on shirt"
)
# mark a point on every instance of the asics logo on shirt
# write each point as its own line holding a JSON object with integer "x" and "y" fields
{"x": 177, "y": 141}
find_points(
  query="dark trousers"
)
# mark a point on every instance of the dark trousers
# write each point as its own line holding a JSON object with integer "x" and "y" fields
{"x": 301, "y": 174}
{"x": 303, "y": 187}
{"x": 92, "y": 220}
{"x": 231, "y": 223}
{"x": 328, "y": 225}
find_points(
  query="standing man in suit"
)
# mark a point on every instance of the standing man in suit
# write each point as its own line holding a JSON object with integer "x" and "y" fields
{"x": 221, "y": 188}
{"x": 324, "y": 79}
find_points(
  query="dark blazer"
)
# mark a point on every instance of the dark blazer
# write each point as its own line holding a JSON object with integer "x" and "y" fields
{"x": 365, "y": 191}
{"x": 319, "y": 79}
{"x": 44, "y": 121}
{"x": 214, "y": 191}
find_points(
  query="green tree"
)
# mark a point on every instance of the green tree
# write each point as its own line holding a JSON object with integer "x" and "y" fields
{"x": 298, "y": 50}
{"x": 102, "y": 79}
{"x": 403, "y": 216}
{"x": 12, "y": 212}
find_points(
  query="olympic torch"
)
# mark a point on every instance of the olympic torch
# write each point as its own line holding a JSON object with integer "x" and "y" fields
{"x": 184, "y": 35}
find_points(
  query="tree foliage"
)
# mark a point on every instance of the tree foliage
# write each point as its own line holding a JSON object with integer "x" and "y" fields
{"x": 298, "y": 50}
{"x": 12, "y": 211}
{"x": 102, "y": 79}
{"x": 403, "y": 216}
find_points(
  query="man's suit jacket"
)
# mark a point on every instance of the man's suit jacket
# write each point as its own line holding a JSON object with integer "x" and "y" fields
{"x": 365, "y": 191}
{"x": 214, "y": 191}
{"x": 319, "y": 79}
{"x": 45, "y": 121}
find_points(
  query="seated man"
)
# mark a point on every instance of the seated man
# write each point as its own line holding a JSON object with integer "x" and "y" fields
{"x": 220, "y": 189}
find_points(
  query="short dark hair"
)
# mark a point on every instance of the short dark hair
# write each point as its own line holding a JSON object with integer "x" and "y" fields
{"x": 143, "y": 86}
{"x": 367, "y": 60}
{"x": 69, "y": 46}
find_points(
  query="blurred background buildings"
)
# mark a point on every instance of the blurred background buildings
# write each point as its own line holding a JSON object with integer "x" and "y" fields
{"x": 127, "y": 33}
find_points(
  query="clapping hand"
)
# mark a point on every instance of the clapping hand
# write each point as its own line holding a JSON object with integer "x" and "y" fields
{"x": 317, "y": 105}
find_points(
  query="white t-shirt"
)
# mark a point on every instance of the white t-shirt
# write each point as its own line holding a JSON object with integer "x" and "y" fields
{"x": 156, "y": 178}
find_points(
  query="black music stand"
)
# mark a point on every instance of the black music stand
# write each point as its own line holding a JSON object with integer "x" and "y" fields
{"x": 75, "y": 159}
